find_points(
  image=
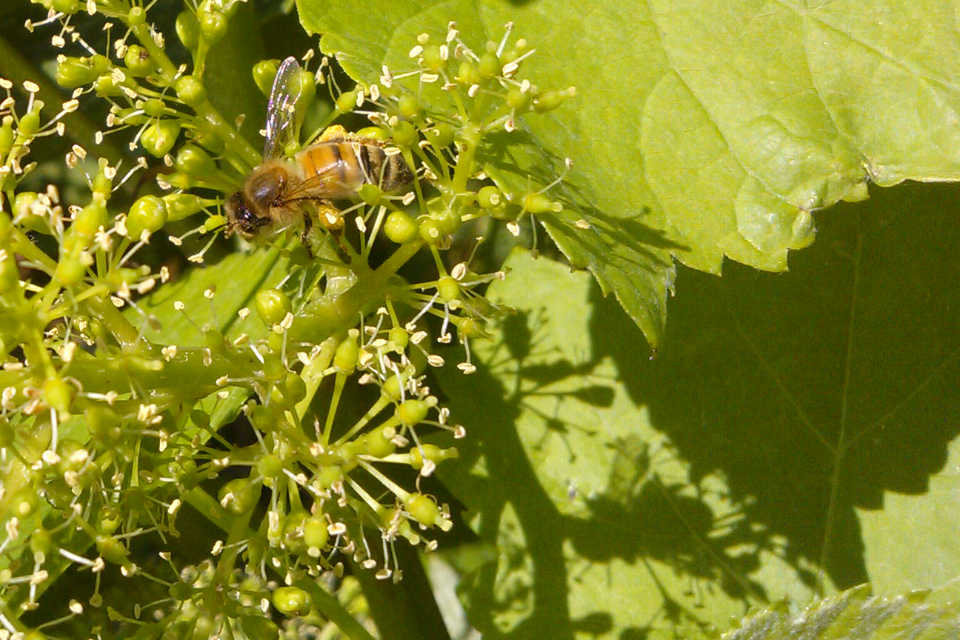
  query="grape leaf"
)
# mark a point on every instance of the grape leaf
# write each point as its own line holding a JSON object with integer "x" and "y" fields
{"x": 854, "y": 614}
{"x": 701, "y": 129}
{"x": 748, "y": 461}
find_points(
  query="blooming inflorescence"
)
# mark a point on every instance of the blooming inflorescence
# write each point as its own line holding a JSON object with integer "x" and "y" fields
{"x": 109, "y": 426}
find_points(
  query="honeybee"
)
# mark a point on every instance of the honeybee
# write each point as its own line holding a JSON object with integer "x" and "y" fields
{"x": 279, "y": 192}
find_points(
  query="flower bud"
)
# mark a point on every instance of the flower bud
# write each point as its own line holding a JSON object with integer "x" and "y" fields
{"x": 213, "y": 22}
{"x": 346, "y": 356}
{"x": 191, "y": 91}
{"x": 264, "y": 73}
{"x": 411, "y": 412}
{"x": 408, "y": 106}
{"x": 137, "y": 60}
{"x": 423, "y": 509}
{"x": 272, "y": 305}
{"x": 182, "y": 205}
{"x": 400, "y": 227}
{"x": 158, "y": 139}
{"x": 75, "y": 72}
{"x": 192, "y": 160}
{"x": 148, "y": 213}
{"x": 292, "y": 601}
{"x": 441, "y": 136}
{"x": 404, "y": 134}
{"x": 91, "y": 219}
{"x": 188, "y": 29}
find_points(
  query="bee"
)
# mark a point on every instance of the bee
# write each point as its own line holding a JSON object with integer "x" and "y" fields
{"x": 280, "y": 191}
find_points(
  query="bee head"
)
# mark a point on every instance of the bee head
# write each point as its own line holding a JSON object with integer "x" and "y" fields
{"x": 242, "y": 218}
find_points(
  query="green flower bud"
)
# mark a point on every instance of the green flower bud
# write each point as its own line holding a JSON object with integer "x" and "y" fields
{"x": 154, "y": 107}
{"x": 272, "y": 305}
{"x": 423, "y": 509}
{"x": 346, "y": 356}
{"x": 109, "y": 519}
{"x": 329, "y": 476}
{"x": 270, "y": 466}
{"x": 375, "y": 133}
{"x": 136, "y": 16}
{"x": 292, "y": 601}
{"x": 188, "y": 29}
{"x": 400, "y": 227}
{"x": 488, "y": 65}
{"x": 432, "y": 59}
{"x": 41, "y": 541}
{"x": 448, "y": 288}
{"x": 489, "y": 197}
{"x": 214, "y": 222}
{"x": 469, "y": 328}
{"x": 238, "y": 495}
{"x": 411, "y": 412}
{"x": 75, "y": 72}
{"x": 408, "y": 106}
{"x": 405, "y": 135}
{"x": 192, "y": 160}
{"x": 22, "y": 503}
{"x": 370, "y": 193}
{"x": 377, "y": 444}
{"x": 112, "y": 550}
{"x": 264, "y": 73}
{"x": 191, "y": 91}
{"x": 182, "y": 205}
{"x": 70, "y": 270}
{"x": 518, "y": 100}
{"x": 447, "y": 221}
{"x": 137, "y": 60}
{"x": 91, "y": 219}
{"x": 213, "y": 23}
{"x": 539, "y": 203}
{"x": 315, "y": 534}
{"x": 160, "y": 137}
{"x": 148, "y": 213}
{"x": 346, "y": 101}
{"x": 468, "y": 73}
{"x": 441, "y": 136}
{"x": 29, "y": 123}
{"x": 106, "y": 86}
{"x": 551, "y": 99}
{"x": 430, "y": 231}
{"x": 102, "y": 186}
{"x": 294, "y": 389}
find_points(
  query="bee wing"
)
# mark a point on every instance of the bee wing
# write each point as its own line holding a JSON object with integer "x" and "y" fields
{"x": 320, "y": 186}
{"x": 282, "y": 125}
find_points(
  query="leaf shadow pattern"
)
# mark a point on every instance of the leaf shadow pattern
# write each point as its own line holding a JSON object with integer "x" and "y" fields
{"x": 817, "y": 390}
{"x": 660, "y": 523}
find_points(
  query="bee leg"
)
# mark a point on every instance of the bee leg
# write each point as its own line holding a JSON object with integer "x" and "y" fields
{"x": 305, "y": 235}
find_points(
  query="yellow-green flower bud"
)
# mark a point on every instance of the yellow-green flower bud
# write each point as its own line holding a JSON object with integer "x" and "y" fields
{"x": 182, "y": 205}
{"x": 188, "y": 29}
{"x": 272, "y": 305}
{"x": 448, "y": 289}
{"x": 264, "y": 73}
{"x": 137, "y": 60}
{"x": 158, "y": 139}
{"x": 213, "y": 22}
{"x": 412, "y": 412}
{"x": 90, "y": 219}
{"x": 400, "y": 227}
{"x": 405, "y": 134}
{"x": 292, "y": 601}
{"x": 346, "y": 356}
{"x": 423, "y": 509}
{"x": 191, "y": 91}
{"x": 148, "y": 213}
{"x": 408, "y": 106}
{"x": 441, "y": 136}
{"x": 315, "y": 532}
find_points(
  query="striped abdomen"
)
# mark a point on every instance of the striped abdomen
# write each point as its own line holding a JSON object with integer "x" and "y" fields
{"x": 349, "y": 164}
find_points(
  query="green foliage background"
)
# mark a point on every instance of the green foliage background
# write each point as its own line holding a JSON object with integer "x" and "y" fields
{"x": 792, "y": 434}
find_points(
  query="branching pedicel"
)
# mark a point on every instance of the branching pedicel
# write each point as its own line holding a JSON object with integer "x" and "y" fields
{"x": 104, "y": 434}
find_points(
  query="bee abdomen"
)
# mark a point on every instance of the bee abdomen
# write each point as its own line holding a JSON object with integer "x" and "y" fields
{"x": 354, "y": 163}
